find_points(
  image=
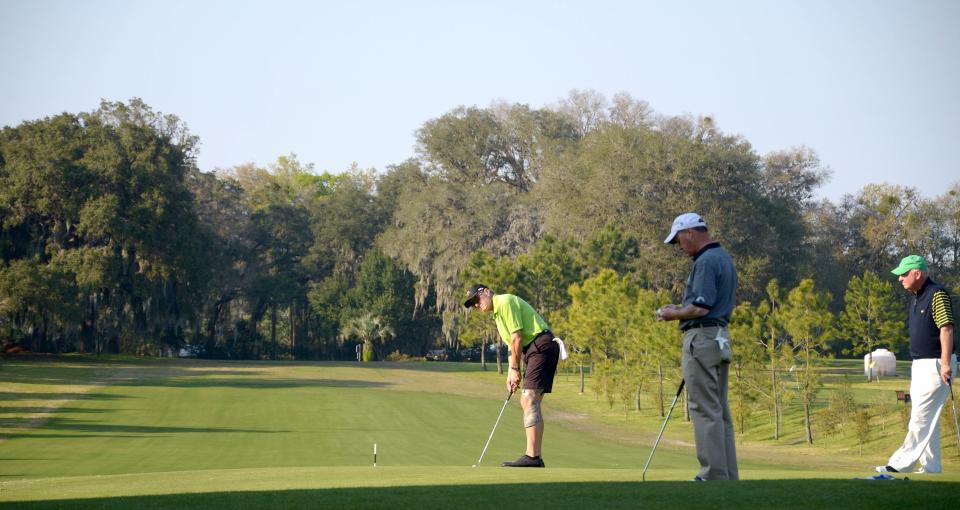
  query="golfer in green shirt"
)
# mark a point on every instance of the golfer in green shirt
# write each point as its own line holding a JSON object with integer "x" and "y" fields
{"x": 524, "y": 331}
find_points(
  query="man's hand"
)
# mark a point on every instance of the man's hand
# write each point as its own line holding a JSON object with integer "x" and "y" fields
{"x": 513, "y": 379}
{"x": 513, "y": 374}
{"x": 945, "y": 373}
{"x": 663, "y": 313}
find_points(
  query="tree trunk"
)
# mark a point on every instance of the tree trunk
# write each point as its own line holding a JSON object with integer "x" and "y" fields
{"x": 44, "y": 341}
{"x": 212, "y": 324}
{"x": 637, "y": 398}
{"x": 483, "y": 353}
{"x": 500, "y": 360}
{"x": 581, "y": 377}
{"x": 740, "y": 396}
{"x": 88, "y": 329}
{"x": 776, "y": 401}
{"x": 660, "y": 386}
{"x": 292, "y": 334}
{"x": 273, "y": 329}
{"x": 806, "y": 421}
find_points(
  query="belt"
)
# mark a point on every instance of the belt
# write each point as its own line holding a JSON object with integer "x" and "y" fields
{"x": 535, "y": 337}
{"x": 703, "y": 324}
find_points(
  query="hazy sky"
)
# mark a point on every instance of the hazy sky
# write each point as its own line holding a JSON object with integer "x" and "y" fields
{"x": 872, "y": 86}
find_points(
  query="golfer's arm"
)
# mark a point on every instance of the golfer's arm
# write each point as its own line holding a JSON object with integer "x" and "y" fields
{"x": 685, "y": 313}
{"x": 516, "y": 347}
{"x": 946, "y": 344}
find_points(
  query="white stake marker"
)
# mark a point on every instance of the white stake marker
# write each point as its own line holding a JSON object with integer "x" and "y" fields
{"x": 374, "y": 454}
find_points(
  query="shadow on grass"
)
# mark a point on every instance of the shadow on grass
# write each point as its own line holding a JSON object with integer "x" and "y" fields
{"x": 71, "y": 425}
{"x": 66, "y": 436}
{"x": 72, "y": 372}
{"x": 165, "y": 372}
{"x": 251, "y": 383}
{"x": 49, "y": 410}
{"x": 427, "y": 366}
{"x": 10, "y": 395}
{"x": 780, "y": 494}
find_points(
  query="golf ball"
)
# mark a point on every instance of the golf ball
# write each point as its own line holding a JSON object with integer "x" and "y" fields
{"x": 474, "y": 465}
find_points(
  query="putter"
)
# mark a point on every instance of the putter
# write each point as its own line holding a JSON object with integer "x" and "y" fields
{"x": 662, "y": 428}
{"x": 956, "y": 425}
{"x": 505, "y": 402}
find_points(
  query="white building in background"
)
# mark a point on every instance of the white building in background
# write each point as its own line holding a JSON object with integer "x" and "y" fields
{"x": 884, "y": 364}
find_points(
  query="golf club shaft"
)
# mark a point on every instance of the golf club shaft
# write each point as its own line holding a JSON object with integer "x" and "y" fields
{"x": 956, "y": 423}
{"x": 662, "y": 428}
{"x": 484, "y": 452}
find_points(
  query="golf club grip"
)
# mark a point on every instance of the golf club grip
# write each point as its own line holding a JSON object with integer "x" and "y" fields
{"x": 680, "y": 389}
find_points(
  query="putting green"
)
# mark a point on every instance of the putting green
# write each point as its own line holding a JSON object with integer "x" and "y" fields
{"x": 77, "y": 429}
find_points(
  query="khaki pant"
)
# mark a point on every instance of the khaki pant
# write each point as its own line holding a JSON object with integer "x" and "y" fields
{"x": 706, "y": 376}
{"x": 920, "y": 452}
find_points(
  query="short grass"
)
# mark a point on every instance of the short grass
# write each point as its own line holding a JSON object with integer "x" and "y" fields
{"x": 79, "y": 432}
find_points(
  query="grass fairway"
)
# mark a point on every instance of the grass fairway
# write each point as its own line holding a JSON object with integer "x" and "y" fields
{"x": 83, "y": 433}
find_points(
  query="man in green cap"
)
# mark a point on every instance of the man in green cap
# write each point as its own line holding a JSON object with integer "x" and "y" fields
{"x": 930, "y": 321}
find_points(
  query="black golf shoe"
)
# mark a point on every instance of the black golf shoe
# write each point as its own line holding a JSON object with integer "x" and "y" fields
{"x": 525, "y": 461}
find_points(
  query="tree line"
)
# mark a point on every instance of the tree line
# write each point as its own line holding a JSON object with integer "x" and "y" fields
{"x": 113, "y": 240}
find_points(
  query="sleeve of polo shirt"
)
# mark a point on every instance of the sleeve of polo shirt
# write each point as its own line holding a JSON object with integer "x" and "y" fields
{"x": 705, "y": 285}
{"x": 511, "y": 315}
{"x": 942, "y": 310}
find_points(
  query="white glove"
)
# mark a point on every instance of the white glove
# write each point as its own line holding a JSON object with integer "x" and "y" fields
{"x": 724, "y": 343}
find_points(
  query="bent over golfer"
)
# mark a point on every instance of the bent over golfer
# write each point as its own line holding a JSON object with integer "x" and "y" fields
{"x": 524, "y": 331}
{"x": 708, "y": 302}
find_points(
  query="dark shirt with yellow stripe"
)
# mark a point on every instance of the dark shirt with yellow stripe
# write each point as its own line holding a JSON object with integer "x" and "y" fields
{"x": 931, "y": 310}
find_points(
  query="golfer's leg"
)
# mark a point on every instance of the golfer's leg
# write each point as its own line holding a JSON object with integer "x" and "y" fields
{"x": 703, "y": 389}
{"x": 729, "y": 444}
{"x": 929, "y": 461}
{"x": 532, "y": 420}
{"x": 927, "y": 396}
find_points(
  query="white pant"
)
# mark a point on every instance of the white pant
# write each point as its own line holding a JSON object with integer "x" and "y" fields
{"x": 921, "y": 448}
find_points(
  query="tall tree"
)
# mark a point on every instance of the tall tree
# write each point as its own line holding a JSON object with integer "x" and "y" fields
{"x": 748, "y": 331}
{"x": 100, "y": 199}
{"x": 601, "y": 320}
{"x": 371, "y": 331}
{"x": 871, "y": 317}
{"x": 774, "y": 343}
{"x": 809, "y": 323}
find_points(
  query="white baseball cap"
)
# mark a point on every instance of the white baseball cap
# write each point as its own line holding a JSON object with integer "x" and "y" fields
{"x": 683, "y": 222}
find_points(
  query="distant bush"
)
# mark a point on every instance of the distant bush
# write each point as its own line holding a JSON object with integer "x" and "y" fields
{"x": 399, "y": 356}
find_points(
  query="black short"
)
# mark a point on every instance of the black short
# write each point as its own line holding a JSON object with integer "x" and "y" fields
{"x": 540, "y": 359}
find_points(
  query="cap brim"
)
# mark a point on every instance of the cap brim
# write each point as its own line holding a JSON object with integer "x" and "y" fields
{"x": 899, "y": 271}
{"x": 672, "y": 238}
{"x": 470, "y": 302}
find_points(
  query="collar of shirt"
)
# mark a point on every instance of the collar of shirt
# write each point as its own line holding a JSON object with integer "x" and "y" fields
{"x": 926, "y": 283}
{"x": 705, "y": 248}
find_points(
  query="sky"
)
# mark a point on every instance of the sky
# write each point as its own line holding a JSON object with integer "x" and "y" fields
{"x": 873, "y": 87}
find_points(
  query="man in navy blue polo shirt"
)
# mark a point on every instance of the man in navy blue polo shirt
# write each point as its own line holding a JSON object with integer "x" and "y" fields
{"x": 930, "y": 320}
{"x": 708, "y": 302}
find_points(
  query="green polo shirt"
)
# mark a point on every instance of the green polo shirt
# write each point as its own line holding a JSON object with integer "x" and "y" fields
{"x": 514, "y": 314}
